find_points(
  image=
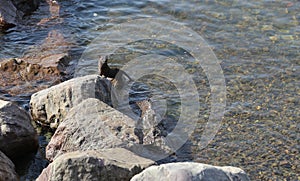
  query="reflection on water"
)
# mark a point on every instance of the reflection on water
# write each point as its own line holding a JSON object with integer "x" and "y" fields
{"x": 258, "y": 46}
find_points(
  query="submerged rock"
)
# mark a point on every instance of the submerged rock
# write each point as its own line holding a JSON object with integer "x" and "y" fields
{"x": 19, "y": 76}
{"x": 42, "y": 66}
{"x": 7, "y": 171}
{"x": 52, "y": 52}
{"x": 17, "y": 135}
{"x": 107, "y": 164}
{"x": 189, "y": 171}
{"x": 54, "y": 9}
{"x": 50, "y": 106}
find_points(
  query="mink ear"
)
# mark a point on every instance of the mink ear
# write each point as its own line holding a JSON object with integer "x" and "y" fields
{"x": 103, "y": 58}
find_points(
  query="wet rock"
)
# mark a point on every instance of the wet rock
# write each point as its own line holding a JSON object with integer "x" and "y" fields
{"x": 50, "y": 106}
{"x": 91, "y": 125}
{"x": 54, "y": 9}
{"x": 26, "y": 6}
{"x": 107, "y": 164}
{"x": 7, "y": 171}
{"x": 17, "y": 135}
{"x": 191, "y": 171}
{"x": 42, "y": 66}
{"x": 52, "y": 52}
{"x": 9, "y": 15}
{"x": 19, "y": 76}
{"x": 12, "y": 11}
{"x": 151, "y": 134}
{"x": 148, "y": 123}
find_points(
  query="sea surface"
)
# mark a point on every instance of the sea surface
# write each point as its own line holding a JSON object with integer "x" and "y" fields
{"x": 251, "y": 48}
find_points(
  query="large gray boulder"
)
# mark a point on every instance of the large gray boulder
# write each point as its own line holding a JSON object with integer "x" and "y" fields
{"x": 50, "y": 106}
{"x": 7, "y": 171}
{"x": 17, "y": 135}
{"x": 92, "y": 125}
{"x": 189, "y": 171}
{"x": 95, "y": 125}
{"x": 108, "y": 164}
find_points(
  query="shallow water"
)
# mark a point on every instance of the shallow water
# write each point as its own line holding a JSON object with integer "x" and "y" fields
{"x": 257, "y": 45}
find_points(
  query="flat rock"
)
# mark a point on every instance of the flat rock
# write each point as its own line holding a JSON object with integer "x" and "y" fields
{"x": 17, "y": 135}
{"x": 41, "y": 66}
{"x": 50, "y": 106}
{"x": 19, "y": 76}
{"x": 107, "y": 164}
{"x": 189, "y": 171}
{"x": 92, "y": 125}
{"x": 7, "y": 171}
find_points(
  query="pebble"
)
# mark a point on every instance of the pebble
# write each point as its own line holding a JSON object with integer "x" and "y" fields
{"x": 273, "y": 38}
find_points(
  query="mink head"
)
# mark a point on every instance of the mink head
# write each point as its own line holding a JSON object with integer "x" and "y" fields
{"x": 103, "y": 66}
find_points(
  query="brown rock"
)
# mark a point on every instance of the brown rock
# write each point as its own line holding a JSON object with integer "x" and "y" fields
{"x": 19, "y": 76}
{"x": 42, "y": 66}
{"x": 53, "y": 52}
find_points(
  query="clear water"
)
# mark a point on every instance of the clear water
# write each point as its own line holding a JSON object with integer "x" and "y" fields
{"x": 257, "y": 44}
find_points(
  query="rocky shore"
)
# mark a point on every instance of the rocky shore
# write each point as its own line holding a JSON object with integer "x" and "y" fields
{"x": 92, "y": 139}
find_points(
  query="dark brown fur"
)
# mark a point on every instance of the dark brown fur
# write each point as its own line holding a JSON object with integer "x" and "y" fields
{"x": 106, "y": 71}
